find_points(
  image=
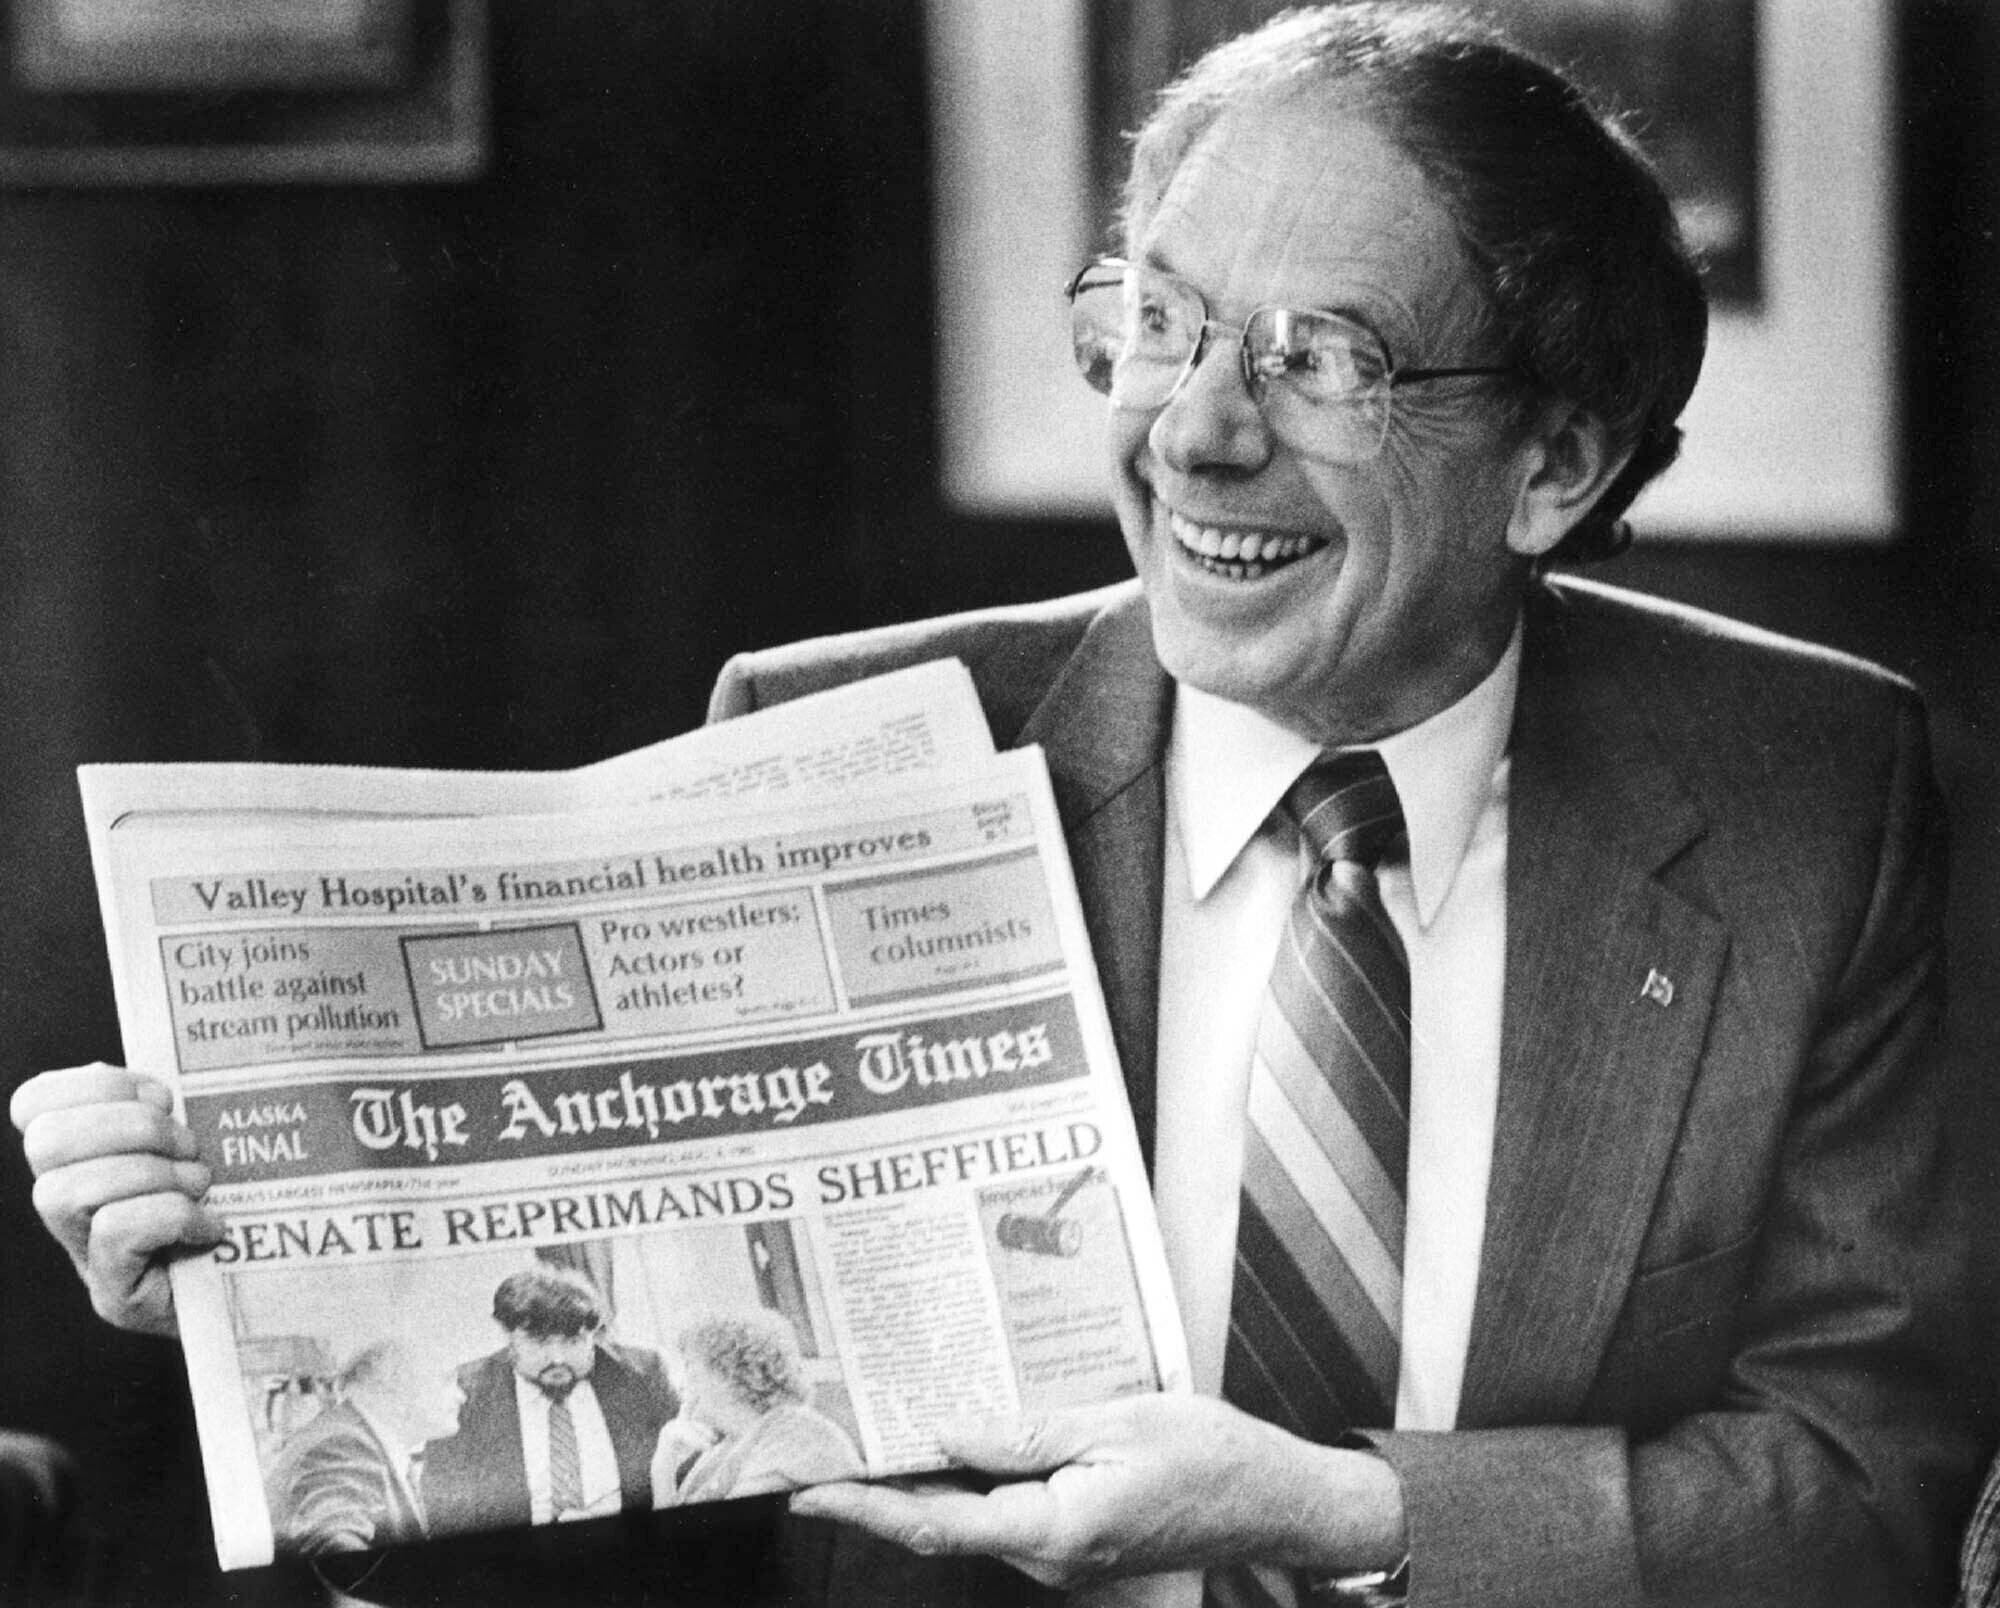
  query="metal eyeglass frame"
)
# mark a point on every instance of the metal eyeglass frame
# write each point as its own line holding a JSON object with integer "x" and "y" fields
{"x": 1253, "y": 381}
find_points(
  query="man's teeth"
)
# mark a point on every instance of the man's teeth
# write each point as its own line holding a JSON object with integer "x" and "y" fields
{"x": 1237, "y": 553}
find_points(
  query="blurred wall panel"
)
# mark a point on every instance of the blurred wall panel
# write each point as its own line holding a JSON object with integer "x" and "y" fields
{"x": 491, "y": 474}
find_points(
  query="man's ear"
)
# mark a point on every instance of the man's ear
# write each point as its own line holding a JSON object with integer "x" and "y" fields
{"x": 1566, "y": 462}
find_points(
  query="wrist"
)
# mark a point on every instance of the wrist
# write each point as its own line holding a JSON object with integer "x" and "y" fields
{"x": 1352, "y": 1518}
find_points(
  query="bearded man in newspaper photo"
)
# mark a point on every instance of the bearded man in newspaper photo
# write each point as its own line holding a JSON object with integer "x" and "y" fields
{"x": 559, "y": 1424}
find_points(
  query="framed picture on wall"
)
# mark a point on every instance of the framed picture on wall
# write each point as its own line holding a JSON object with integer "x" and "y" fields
{"x": 1770, "y": 120}
{"x": 97, "y": 93}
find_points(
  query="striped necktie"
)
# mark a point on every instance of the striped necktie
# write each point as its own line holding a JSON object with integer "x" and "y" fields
{"x": 1315, "y": 1323}
{"x": 1315, "y": 1320}
{"x": 565, "y": 1459}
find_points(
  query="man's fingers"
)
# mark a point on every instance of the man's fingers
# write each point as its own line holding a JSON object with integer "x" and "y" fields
{"x": 1019, "y": 1446}
{"x": 1016, "y": 1521}
{"x": 118, "y": 1183}
{"x": 71, "y": 1134}
{"x": 70, "y": 1199}
{"x": 130, "y": 1243}
{"x": 96, "y": 1084}
{"x": 1009, "y": 1522}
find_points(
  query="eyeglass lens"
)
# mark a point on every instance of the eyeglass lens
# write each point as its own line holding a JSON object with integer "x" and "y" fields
{"x": 1322, "y": 381}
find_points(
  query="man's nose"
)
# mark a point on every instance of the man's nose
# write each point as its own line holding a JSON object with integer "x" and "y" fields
{"x": 1212, "y": 421}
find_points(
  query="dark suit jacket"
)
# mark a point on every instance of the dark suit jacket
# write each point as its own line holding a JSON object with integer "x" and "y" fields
{"x": 477, "y": 1479}
{"x": 338, "y": 1489}
{"x": 1718, "y": 1346}
{"x": 40, "y": 1544}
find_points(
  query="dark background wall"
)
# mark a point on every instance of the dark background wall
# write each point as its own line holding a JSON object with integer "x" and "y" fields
{"x": 497, "y": 474}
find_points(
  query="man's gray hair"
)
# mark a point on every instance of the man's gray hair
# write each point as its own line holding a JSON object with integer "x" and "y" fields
{"x": 380, "y": 1364}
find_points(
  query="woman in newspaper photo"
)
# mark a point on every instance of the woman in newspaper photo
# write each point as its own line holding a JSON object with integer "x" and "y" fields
{"x": 743, "y": 1382}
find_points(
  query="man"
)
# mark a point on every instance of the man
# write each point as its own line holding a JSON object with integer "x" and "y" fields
{"x": 1675, "y": 1284}
{"x": 559, "y": 1424}
{"x": 343, "y": 1483}
{"x": 1626, "y": 1278}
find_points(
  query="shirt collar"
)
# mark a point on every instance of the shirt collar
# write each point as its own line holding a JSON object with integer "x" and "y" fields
{"x": 1229, "y": 766}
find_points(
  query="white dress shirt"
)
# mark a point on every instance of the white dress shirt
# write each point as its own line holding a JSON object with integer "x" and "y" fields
{"x": 596, "y": 1460}
{"x": 1230, "y": 876}
{"x": 1228, "y": 882}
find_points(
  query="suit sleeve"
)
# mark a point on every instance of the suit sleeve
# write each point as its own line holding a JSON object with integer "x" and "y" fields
{"x": 734, "y": 692}
{"x": 464, "y": 1473}
{"x": 662, "y": 1399}
{"x": 450, "y": 1487}
{"x": 337, "y": 1499}
{"x": 1831, "y": 1466}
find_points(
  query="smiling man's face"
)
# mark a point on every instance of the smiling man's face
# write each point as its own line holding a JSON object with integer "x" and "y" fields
{"x": 1385, "y": 589}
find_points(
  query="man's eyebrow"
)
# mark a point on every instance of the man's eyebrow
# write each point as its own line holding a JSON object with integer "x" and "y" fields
{"x": 1350, "y": 311}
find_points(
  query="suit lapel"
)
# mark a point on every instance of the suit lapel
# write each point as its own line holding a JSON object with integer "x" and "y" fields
{"x": 1610, "y": 981}
{"x": 620, "y": 1398}
{"x": 1103, "y": 728}
{"x": 502, "y": 1421}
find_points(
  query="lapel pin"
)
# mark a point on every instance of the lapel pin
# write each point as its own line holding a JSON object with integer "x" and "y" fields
{"x": 1658, "y": 987}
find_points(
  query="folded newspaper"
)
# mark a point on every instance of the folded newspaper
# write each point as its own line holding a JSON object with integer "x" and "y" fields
{"x": 717, "y": 1119}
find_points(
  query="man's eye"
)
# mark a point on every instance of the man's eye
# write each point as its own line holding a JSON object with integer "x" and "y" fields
{"x": 1273, "y": 363}
{"x": 1303, "y": 363}
{"x": 1332, "y": 366}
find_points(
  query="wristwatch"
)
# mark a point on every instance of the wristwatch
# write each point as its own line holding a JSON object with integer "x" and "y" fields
{"x": 1366, "y": 1588}
{"x": 1354, "y": 1588}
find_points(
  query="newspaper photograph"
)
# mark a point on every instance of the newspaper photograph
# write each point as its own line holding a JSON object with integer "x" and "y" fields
{"x": 627, "y": 1157}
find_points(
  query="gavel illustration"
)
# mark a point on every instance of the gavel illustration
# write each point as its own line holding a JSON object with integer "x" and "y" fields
{"x": 1050, "y": 1234}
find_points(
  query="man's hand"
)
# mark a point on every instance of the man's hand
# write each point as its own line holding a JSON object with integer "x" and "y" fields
{"x": 681, "y": 1441}
{"x": 118, "y": 1182}
{"x": 1137, "y": 1486}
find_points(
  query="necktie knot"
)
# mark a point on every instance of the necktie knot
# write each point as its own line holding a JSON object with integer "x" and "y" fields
{"x": 1345, "y": 806}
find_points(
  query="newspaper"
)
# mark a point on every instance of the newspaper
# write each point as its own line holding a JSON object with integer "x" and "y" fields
{"x": 805, "y": 1065}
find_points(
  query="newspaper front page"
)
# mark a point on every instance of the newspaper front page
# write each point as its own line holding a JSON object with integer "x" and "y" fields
{"x": 820, "y": 1100}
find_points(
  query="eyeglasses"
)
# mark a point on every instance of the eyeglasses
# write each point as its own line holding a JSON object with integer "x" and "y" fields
{"x": 1324, "y": 382}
